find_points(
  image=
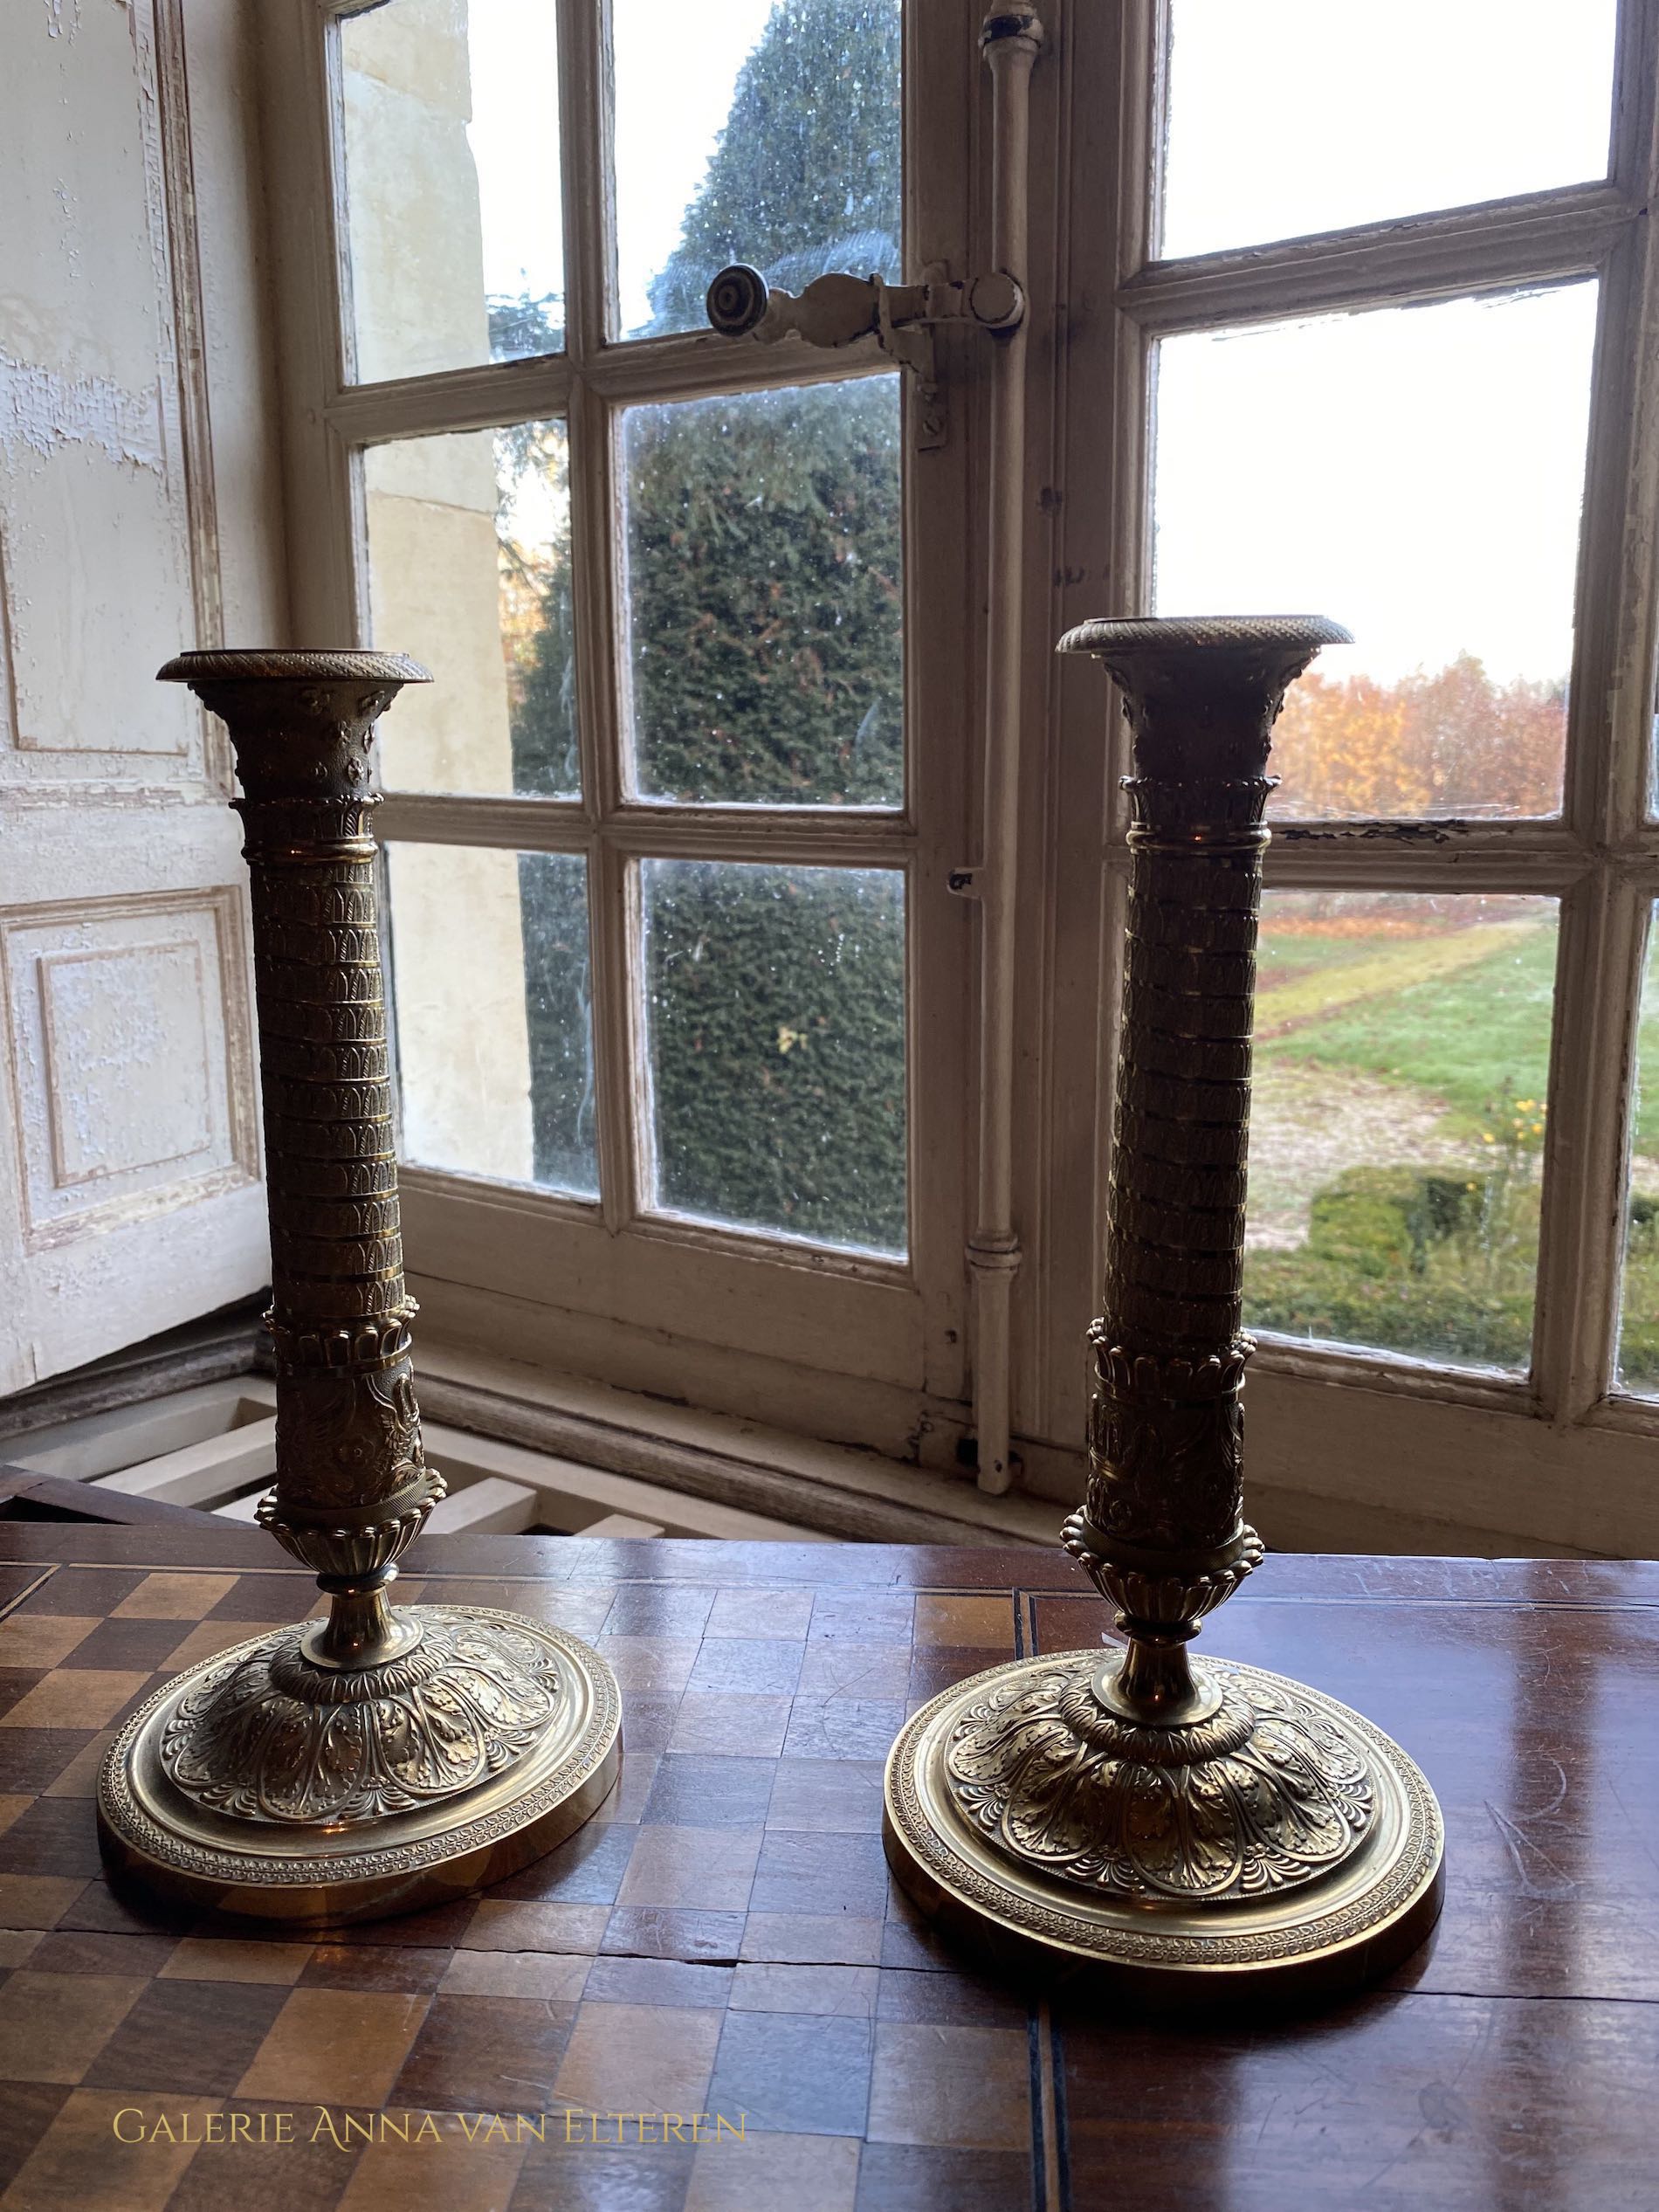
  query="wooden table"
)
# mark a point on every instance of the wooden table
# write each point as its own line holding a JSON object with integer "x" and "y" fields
{"x": 727, "y": 1941}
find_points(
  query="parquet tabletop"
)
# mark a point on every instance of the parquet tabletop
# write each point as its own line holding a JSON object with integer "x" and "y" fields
{"x": 713, "y": 1999}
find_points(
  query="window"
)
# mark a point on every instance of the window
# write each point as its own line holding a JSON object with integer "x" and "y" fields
{"x": 1378, "y": 355}
{"x": 1330, "y": 310}
{"x": 679, "y": 988}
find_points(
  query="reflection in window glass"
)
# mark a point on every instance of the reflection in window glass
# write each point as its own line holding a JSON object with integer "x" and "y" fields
{"x": 765, "y": 596}
{"x": 1417, "y": 474}
{"x": 774, "y": 1001}
{"x": 1397, "y": 1122}
{"x": 1292, "y": 116}
{"x": 1639, "y": 1307}
{"x": 469, "y": 568}
{"x": 494, "y": 1013}
{"x": 450, "y": 127}
{"x": 766, "y": 131}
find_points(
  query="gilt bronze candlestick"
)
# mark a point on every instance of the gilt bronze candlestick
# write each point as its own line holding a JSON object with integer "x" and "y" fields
{"x": 1180, "y": 1829}
{"x": 380, "y": 1758}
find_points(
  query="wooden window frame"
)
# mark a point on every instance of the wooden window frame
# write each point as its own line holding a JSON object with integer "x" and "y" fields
{"x": 1368, "y": 1446}
{"x": 1561, "y": 1454}
{"x": 863, "y": 1348}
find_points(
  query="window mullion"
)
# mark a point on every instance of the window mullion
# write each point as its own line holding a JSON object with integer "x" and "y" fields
{"x": 513, "y": 826}
{"x": 698, "y": 364}
{"x": 1611, "y": 736}
{"x": 588, "y": 190}
{"x": 588, "y": 177}
{"x": 310, "y": 275}
{"x": 822, "y": 839}
{"x": 596, "y": 584}
{"x": 1609, "y": 744}
{"x": 488, "y": 396}
{"x": 1635, "y": 100}
{"x": 1580, "y": 1244}
{"x": 1400, "y": 856}
{"x": 587, "y": 174}
{"x": 1564, "y": 232}
{"x": 613, "y": 905}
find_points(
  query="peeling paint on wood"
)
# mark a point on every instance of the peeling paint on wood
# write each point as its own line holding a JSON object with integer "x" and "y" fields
{"x": 41, "y": 409}
{"x": 1414, "y": 833}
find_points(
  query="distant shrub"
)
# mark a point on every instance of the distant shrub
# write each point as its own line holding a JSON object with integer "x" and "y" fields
{"x": 1409, "y": 1259}
{"x": 1378, "y": 1220}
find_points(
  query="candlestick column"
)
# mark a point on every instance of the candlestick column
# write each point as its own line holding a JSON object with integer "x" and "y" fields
{"x": 1182, "y": 1827}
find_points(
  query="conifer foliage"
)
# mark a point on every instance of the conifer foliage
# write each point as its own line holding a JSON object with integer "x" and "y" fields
{"x": 764, "y": 665}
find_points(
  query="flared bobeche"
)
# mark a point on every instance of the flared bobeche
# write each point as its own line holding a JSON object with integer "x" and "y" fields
{"x": 1168, "y": 634}
{"x": 231, "y": 665}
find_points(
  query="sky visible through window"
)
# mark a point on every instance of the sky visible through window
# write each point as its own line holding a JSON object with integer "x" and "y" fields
{"x": 513, "y": 66}
{"x": 1292, "y": 116}
{"x": 1414, "y": 472}
{"x": 675, "y": 72}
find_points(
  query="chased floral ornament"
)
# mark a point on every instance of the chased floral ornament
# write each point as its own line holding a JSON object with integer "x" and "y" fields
{"x": 1267, "y": 1795}
{"x": 272, "y": 1736}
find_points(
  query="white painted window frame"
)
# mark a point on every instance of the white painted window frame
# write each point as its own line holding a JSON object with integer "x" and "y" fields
{"x": 867, "y": 1349}
{"x": 1560, "y": 1455}
{"x": 1361, "y": 1447}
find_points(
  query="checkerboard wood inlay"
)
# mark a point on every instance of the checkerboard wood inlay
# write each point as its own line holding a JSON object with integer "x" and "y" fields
{"x": 724, "y": 1939}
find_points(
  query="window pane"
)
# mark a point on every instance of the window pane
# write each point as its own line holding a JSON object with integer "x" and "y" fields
{"x": 766, "y": 131}
{"x": 1639, "y": 1312}
{"x": 451, "y": 156}
{"x": 1397, "y": 1122}
{"x": 774, "y": 1003}
{"x": 765, "y": 596}
{"x": 469, "y": 569}
{"x": 1292, "y": 116}
{"x": 494, "y": 1013}
{"x": 1417, "y": 474}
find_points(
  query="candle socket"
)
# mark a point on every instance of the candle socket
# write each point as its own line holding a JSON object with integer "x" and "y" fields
{"x": 1179, "y": 1828}
{"x": 381, "y": 1759}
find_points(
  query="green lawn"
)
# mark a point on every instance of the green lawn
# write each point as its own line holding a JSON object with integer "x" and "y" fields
{"x": 1471, "y": 1034}
{"x": 1647, "y": 1124}
{"x": 1465, "y": 1016}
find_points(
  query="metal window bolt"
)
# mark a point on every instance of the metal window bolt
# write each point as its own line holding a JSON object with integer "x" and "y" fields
{"x": 838, "y": 310}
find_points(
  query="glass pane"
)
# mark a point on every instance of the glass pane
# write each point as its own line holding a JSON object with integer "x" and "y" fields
{"x": 1292, "y": 116}
{"x": 451, "y": 156}
{"x": 765, "y": 596}
{"x": 1417, "y": 474}
{"x": 774, "y": 1001}
{"x": 1639, "y": 1311}
{"x": 1397, "y": 1122}
{"x": 494, "y": 1013}
{"x": 469, "y": 569}
{"x": 766, "y": 131}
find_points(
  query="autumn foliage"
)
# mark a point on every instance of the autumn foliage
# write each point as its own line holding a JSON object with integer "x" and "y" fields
{"x": 1453, "y": 742}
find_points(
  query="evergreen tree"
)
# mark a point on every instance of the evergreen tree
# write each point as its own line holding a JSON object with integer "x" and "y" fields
{"x": 764, "y": 600}
{"x": 805, "y": 177}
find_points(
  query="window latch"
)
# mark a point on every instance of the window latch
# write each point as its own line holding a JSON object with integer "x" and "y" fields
{"x": 838, "y": 310}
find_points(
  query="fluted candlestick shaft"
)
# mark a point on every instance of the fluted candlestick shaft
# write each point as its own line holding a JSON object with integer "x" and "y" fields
{"x": 1163, "y": 1525}
{"x": 352, "y": 1485}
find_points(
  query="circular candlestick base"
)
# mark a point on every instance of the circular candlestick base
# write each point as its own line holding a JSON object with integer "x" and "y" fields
{"x": 1281, "y": 1842}
{"x": 267, "y": 1783}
